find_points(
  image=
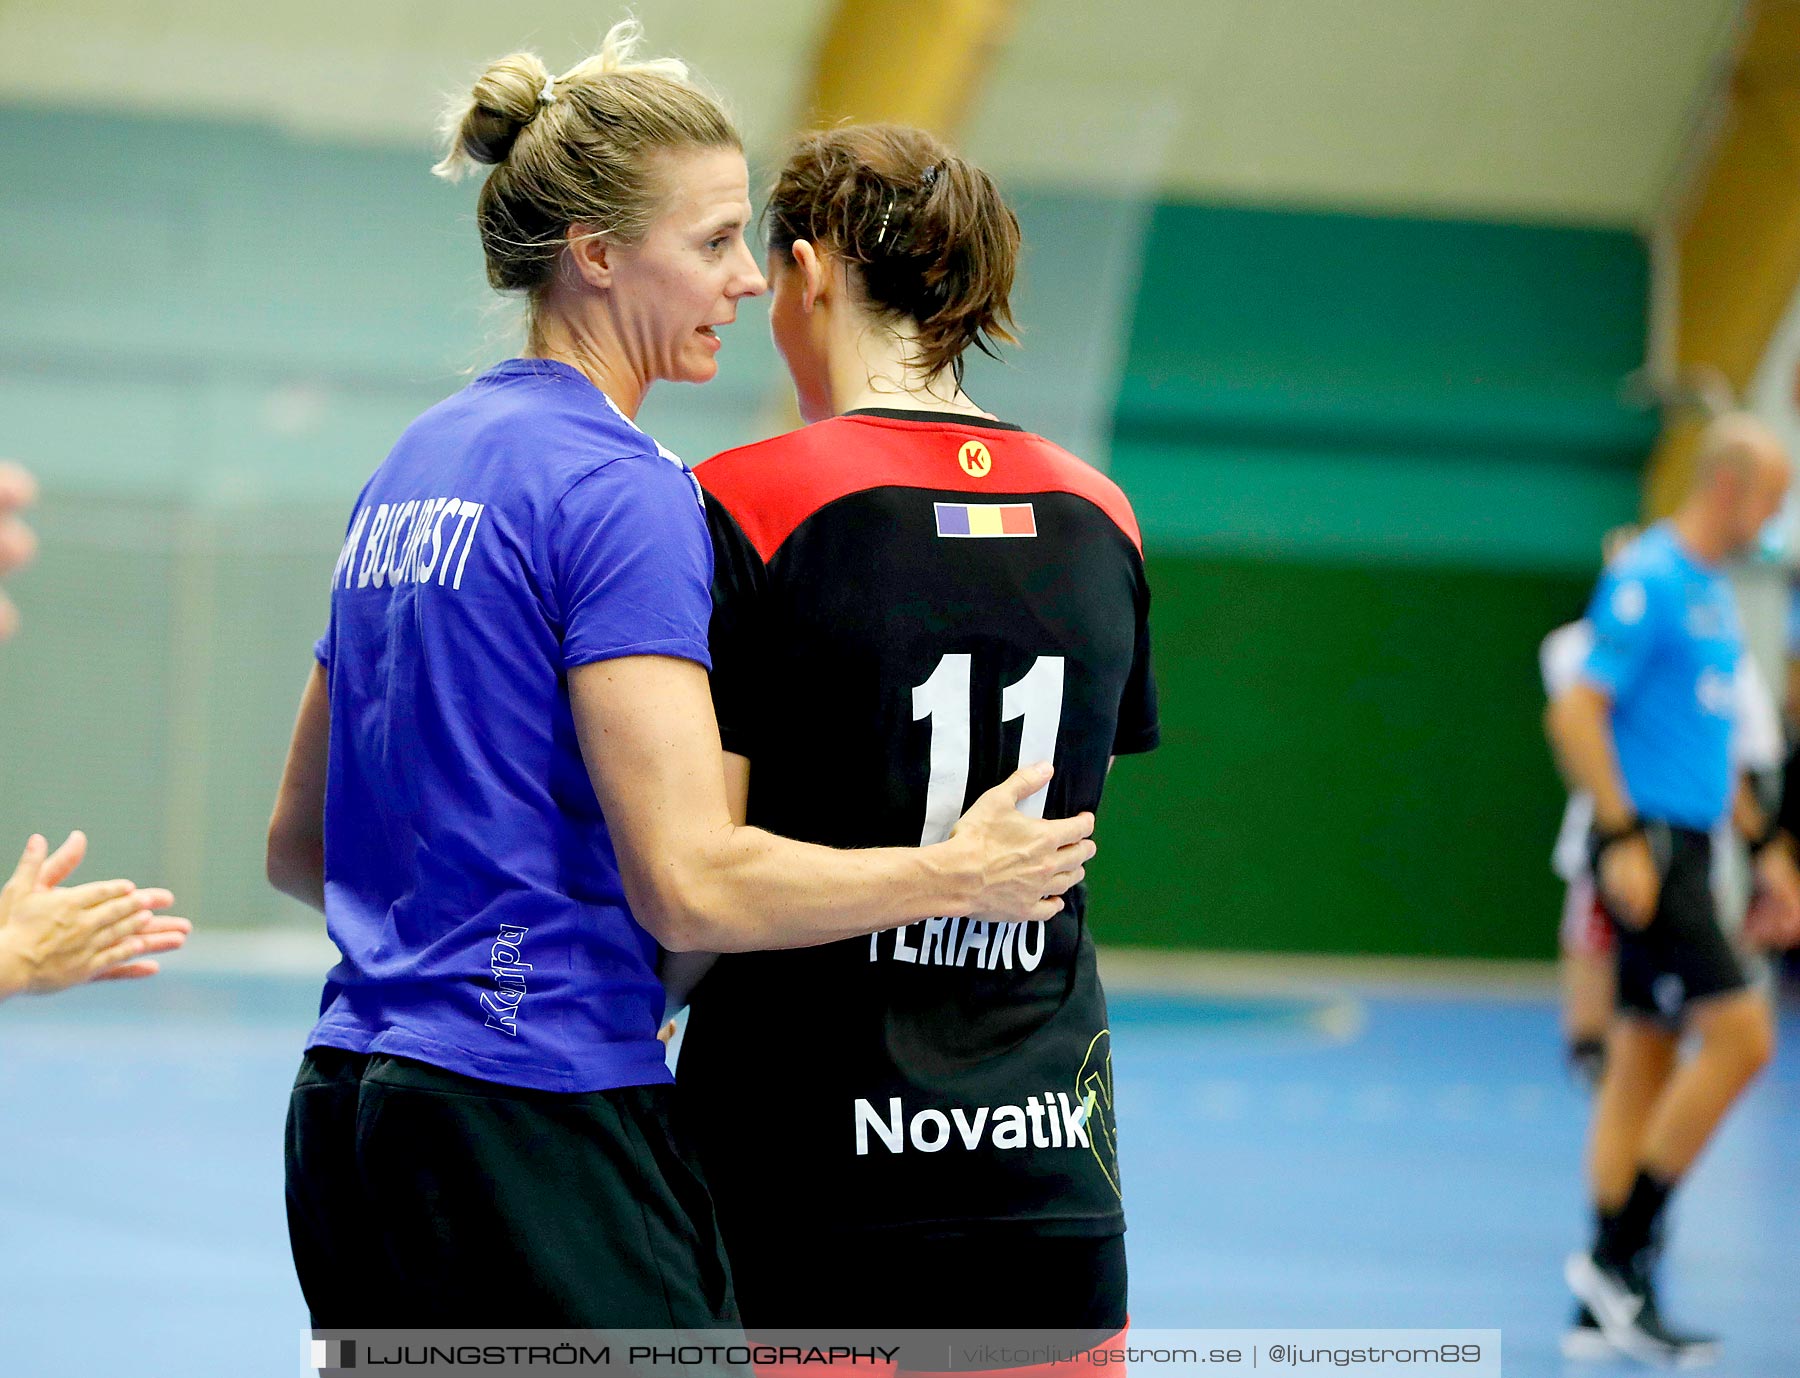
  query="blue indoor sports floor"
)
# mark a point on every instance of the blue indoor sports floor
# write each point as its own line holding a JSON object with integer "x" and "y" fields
{"x": 1342, "y": 1158}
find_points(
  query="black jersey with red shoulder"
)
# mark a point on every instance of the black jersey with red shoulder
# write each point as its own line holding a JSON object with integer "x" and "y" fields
{"x": 908, "y": 606}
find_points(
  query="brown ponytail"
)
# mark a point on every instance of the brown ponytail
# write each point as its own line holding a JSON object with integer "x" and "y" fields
{"x": 934, "y": 241}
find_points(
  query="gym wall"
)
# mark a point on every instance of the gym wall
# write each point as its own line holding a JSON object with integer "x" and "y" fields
{"x": 1372, "y": 458}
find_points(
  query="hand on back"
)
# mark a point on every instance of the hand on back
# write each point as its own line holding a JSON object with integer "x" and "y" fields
{"x": 1026, "y": 863}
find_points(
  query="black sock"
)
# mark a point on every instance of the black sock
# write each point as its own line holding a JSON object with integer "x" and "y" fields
{"x": 1624, "y": 1233}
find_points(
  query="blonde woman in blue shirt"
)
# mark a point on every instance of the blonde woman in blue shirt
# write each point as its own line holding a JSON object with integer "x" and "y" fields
{"x": 506, "y": 788}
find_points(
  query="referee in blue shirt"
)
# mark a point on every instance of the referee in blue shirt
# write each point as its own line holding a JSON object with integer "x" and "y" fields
{"x": 1647, "y": 730}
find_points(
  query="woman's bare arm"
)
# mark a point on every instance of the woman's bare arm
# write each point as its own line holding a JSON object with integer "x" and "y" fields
{"x": 295, "y": 858}
{"x": 698, "y": 880}
{"x": 681, "y": 971}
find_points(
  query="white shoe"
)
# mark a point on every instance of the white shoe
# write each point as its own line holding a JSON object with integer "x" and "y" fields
{"x": 1623, "y": 1301}
{"x": 1585, "y": 1343}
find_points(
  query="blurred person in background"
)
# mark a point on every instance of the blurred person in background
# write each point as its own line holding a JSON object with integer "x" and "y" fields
{"x": 505, "y": 785}
{"x": 18, "y": 490}
{"x": 953, "y": 593}
{"x": 1790, "y": 711}
{"x": 1788, "y": 810}
{"x": 51, "y": 936}
{"x": 1646, "y": 730}
{"x": 1585, "y": 936}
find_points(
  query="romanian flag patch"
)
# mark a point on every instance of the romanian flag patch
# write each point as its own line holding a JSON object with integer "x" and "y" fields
{"x": 975, "y": 519}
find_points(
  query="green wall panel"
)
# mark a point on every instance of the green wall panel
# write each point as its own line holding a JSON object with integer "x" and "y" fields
{"x": 1281, "y": 502}
{"x": 1352, "y": 386}
{"x": 1373, "y": 458}
{"x": 1449, "y": 325}
{"x": 1352, "y": 762}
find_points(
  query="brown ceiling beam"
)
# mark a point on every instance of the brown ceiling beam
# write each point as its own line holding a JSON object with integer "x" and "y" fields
{"x": 1738, "y": 255}
{"x": 917, "y": 62}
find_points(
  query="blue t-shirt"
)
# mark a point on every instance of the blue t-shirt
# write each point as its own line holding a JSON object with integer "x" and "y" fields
{"x": 518, "y": 529}
{"x": 1666, "y": 645}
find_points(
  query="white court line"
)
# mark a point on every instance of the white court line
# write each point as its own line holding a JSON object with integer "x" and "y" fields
{"x": 1239, "y": 973}
{"x": 299, "y": 950}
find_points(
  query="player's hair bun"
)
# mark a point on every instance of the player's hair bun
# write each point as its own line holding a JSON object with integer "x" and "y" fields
{"x": 574, "y": 149}
{"x": 506, "y": 98}
{"x": 934, "y": 240}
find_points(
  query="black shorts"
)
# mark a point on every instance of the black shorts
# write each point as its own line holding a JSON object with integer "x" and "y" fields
{"x": 1003, "y": 1278}
{"x": 420, "y": 1198}
{"x": 1682, "y": 955}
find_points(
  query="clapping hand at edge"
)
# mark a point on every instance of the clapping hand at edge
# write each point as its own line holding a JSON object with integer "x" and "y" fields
{"x": 54, "y": 936}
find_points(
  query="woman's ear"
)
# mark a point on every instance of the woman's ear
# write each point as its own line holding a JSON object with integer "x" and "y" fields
{"x": 589, "y": 253}
{"x": 814, "y": 283}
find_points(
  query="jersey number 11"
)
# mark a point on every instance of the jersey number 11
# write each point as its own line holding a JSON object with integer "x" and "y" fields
{"x": 946, "y": 700}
